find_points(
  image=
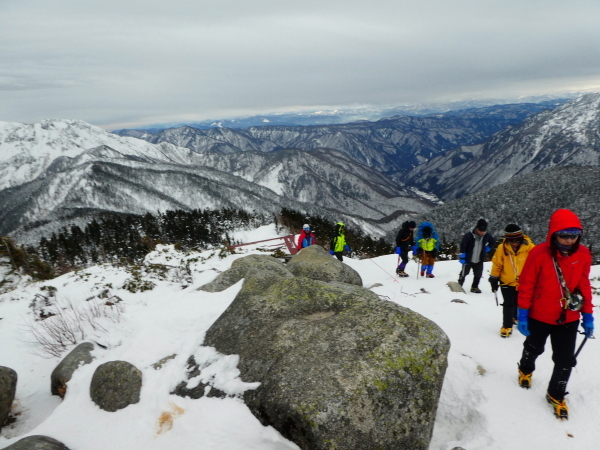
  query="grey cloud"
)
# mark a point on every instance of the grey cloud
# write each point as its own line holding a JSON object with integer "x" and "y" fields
{"x": 108, "y": 62}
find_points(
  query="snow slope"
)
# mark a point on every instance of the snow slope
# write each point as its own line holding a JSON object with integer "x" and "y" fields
{"x": 481, "y": 405}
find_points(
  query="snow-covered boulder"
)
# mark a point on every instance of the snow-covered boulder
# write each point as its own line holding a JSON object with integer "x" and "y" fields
{"x": 116, "y": 385}
{"x": 61, "y": 375}
{"x": 8, "y": 387}
{"x": 37, "y": 443}
{"x": 263, "y": 268}
{"x": 315, "y": 263}
{"x": 338, "y": 366}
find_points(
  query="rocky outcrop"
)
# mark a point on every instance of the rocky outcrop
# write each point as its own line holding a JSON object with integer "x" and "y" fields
{"x": 338, "y": 366}
{"x": 61, "y": 375}
{"x": 37, "y": 443}
{"x": 8, "y": 388}
{"x": 116, "y": 385}
{"x": 200, "y": 390}
{"x": 262, "y": 268}
{"x": 315, "y": 263}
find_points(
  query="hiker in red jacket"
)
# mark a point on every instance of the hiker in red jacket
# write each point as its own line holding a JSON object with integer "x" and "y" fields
{"x": 306, "y": 238}
{"x": 554, "y": 292}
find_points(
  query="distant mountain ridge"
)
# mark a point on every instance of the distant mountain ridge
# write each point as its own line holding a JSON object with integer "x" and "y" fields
{"x": 387, "y": 145}
{"x": 343, "y": 115}
{"x": 568, "y": 135}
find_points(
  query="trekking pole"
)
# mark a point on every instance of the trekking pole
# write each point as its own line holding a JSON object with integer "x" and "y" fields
{"x": 418, "y": 267}
{"x": 496, "y": 295}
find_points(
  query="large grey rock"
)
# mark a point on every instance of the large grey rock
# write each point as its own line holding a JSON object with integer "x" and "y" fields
{"x": 338, "y": 367}
{"x": 61, "y": 375}
{"x": 263, "y": 268}
{"x": 8, "y": 388}
{"x": 37, "y": 443}
{"x": 315, "y": 263}
{"x": 116, "y": 385}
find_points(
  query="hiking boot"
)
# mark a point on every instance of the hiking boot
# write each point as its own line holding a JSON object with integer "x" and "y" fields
{"x": 422, "y": 274}
{"x": 525, "y": 380}
{"x": 476, "y": 290}
{"x": 505, "y": 332}
{"x": 402, "y": 273}
{"x": 430, "y": 275}
{"x": 560, "y": 408}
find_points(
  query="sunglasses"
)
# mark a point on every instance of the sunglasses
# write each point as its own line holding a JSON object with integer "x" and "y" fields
{"x": 568, "y": 235}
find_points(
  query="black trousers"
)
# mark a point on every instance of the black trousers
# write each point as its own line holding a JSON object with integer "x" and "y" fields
{"x": 509, "y": 307}
{"x": 477, "y": 272}
{"x": 563, "y": 339}
{"x": 339, "y": 256}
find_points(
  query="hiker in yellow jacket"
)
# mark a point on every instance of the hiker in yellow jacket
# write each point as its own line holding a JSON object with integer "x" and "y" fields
{"x": 428, "y": 246}
{"x": 507, "y": 263}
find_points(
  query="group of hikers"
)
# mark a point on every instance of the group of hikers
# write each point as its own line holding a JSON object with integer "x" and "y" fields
{"x": 546, "y": 287}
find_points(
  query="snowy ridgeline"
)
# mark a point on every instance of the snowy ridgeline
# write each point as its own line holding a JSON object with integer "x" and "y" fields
{"x": 481, "y": 405}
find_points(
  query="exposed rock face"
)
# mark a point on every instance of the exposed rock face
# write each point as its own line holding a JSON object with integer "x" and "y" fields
{"x": 37, "y": 443}
{"x": 197, "y": 392}
{"x": 61, "y": 375}
{"x": 8, "y": 388}
{"x": 339, "y": 367}
{"x": 260, "y": 267}
{"x": 116, "y": 385}
{"x": 315, "y": 263}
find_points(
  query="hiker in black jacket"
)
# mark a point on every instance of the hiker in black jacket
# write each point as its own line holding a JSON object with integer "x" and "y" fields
{"x": 473, "y": 248}
{"x": 405, "y": 242}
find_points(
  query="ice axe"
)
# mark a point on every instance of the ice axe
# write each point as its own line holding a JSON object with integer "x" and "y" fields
{"x": 496, "y": 295}
{"x": 583, "y": 342}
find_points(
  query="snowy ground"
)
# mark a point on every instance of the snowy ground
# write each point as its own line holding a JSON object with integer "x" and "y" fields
{"x": 481, "y": 405}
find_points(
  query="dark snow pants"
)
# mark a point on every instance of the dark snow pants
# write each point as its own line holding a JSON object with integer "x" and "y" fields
{"x": 509, "y": 307}
{"x": 339, "y": 256}
{"x": 563, "y": 339}
{"x": 404, "y": 258}
{"x": 477, "y": 272}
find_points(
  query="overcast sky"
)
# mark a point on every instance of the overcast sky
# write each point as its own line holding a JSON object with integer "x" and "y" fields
{"x": 128, "y": 63}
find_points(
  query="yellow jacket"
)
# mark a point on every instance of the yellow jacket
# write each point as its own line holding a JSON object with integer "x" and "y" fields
{"x": 506, "y": 265}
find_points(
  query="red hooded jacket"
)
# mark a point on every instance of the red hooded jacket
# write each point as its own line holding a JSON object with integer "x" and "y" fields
{"x": 540, "y": 290}
{"x": 310, "y": 239}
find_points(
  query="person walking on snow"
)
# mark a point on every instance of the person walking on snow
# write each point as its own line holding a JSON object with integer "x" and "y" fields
{"x": 554, "y": 292}
{"x": 405, "y": 241}
{"x": 338, "y": 241}
{"x": 306, "y": 238}
{"x": 507, "y": 264}
{"x": 473, "y": 248}
{"x": 428, "y": 247}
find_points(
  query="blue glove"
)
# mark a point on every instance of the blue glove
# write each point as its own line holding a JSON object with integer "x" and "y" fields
{"x": 414, "y": 249}
{"x": 463, "y": 258}
{"x": 588, "y": 324}
{"x": 398, "y": 251}
{"x": 347, "y": 248}
{"x": 331, "y": 252}
{"x": 487, "y": 249}
{"x": 523, "y": 318}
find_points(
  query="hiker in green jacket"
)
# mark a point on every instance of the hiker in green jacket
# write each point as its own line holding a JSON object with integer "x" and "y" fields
{"x": 338, "y": 241}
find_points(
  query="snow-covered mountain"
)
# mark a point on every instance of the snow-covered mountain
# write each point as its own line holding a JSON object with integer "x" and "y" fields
{"x": 27, "y": 150}
{"x": 60, "y": 170}
{"x": 568, "y": 135}
{"x": 388, "y": 145}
